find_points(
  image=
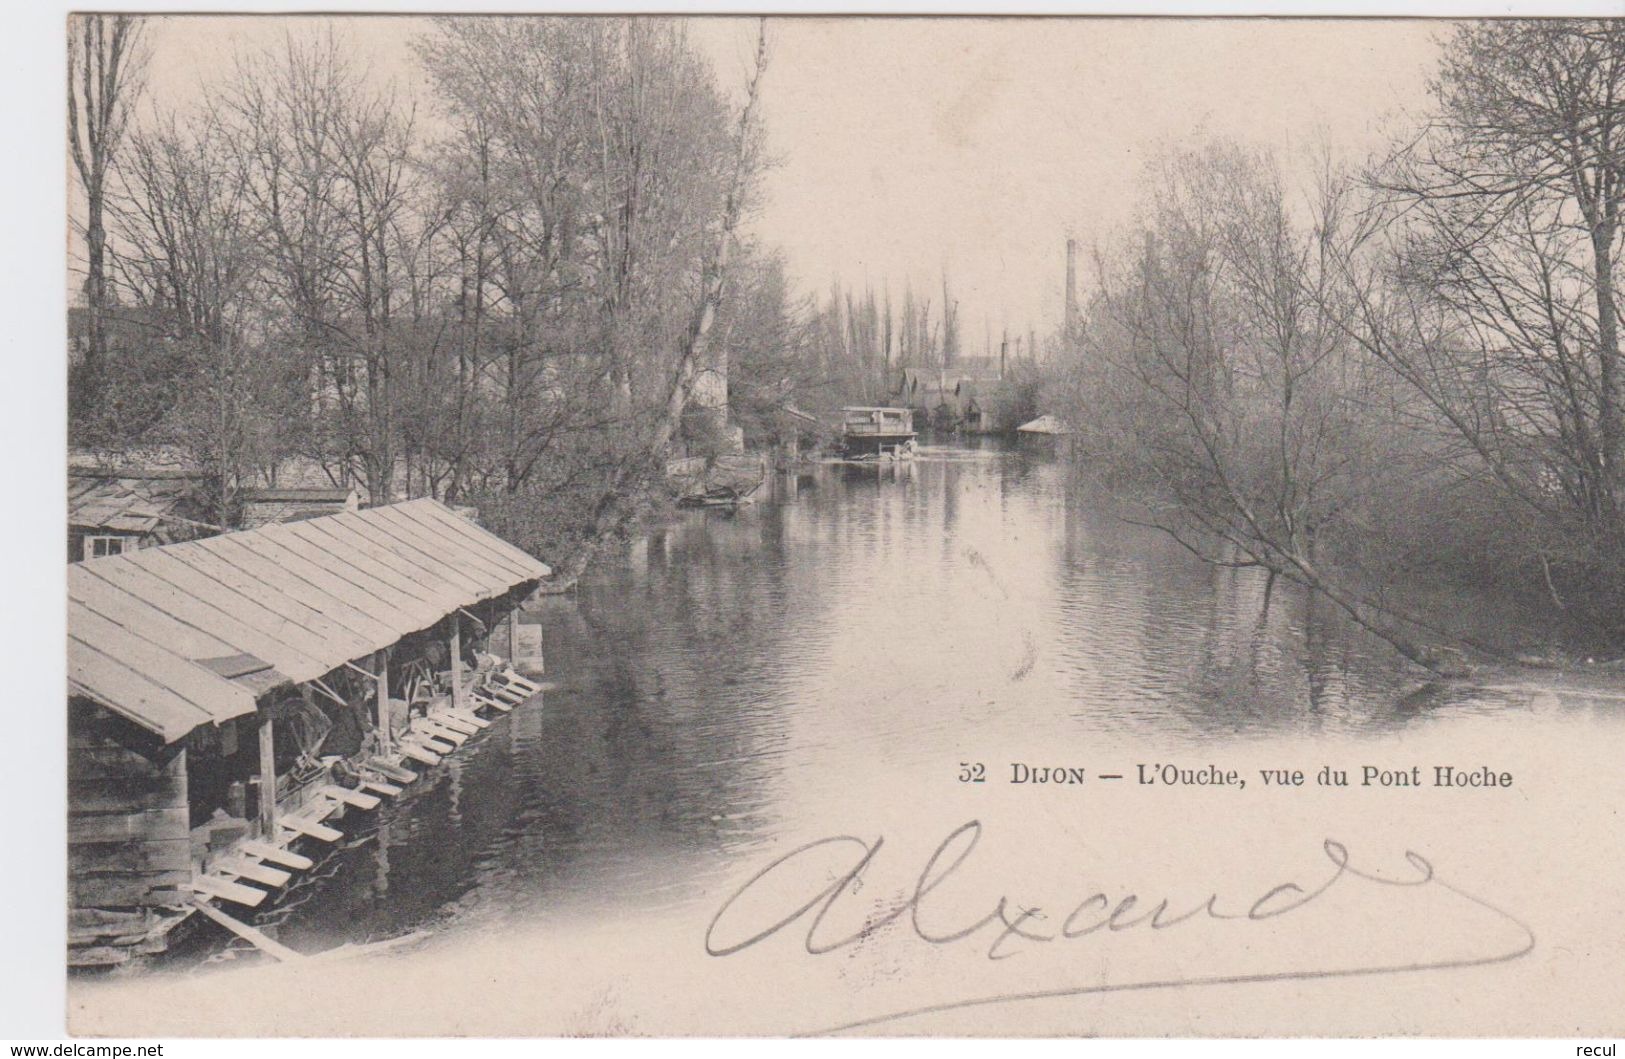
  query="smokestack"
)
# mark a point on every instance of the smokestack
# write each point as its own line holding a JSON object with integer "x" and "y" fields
{"x": 1004, "y": 348}
{"x": 1071, "y": 322}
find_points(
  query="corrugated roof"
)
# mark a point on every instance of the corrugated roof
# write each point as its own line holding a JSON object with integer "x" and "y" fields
{"x": 153, "y": 633}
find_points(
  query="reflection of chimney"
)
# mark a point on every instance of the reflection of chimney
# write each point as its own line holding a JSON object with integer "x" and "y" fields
{"x": 1071, "y": 287}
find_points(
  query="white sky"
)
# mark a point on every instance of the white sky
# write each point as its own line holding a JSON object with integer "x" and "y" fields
{"x": 909, "y": 145}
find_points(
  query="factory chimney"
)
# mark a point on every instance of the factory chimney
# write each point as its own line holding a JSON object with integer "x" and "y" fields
{"x": 1071, "y": 322}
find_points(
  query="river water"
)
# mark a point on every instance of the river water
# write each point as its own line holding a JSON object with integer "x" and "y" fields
{"x": 843, "y": 653}
{"x": 737, "y": 671}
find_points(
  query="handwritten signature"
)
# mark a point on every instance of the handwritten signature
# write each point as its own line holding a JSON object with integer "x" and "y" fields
{"x": 1008, "y": 925}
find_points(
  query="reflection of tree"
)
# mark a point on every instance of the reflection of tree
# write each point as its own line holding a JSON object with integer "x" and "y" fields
{"x": 1315, "y": 656}
{"x": 1205, "y": 650}
{"x": 668, "y": 716}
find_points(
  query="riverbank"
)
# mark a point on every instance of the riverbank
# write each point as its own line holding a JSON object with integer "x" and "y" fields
{"x": 1473, "y": 611}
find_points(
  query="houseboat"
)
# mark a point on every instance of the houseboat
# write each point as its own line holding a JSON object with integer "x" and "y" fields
{"x": 877, "y": 432}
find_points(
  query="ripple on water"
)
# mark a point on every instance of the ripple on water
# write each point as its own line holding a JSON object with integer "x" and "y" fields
{"x": 738, "y": 674}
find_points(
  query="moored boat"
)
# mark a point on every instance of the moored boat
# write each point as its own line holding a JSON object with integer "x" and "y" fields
{"x": 877, "y": 432}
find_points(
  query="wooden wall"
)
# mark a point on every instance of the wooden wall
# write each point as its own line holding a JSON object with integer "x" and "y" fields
{"x": 129, "y": 843}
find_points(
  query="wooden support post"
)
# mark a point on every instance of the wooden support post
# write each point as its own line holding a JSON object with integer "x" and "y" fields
{"x": 380, "y": 669}
{"x": 513, "y": 637}
{"x": 267, "y": 777}
{"x": 458, "y": 694}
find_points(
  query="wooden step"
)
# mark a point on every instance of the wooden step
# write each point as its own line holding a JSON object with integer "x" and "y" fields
{"x": 350, "y": 797}
{"x": 449, "y": 723}
{"x": 507, "y": 694}
{"x": 419, "y": 753}
{"x": 448, "y": 719}
{"x": 422, "y": 731}
{"x": 514, "y": 676}
{"x": 435, "y": 730}
{"x": 249, "y": 868}
{"x": 382, "y": 788}
{"x": 306, "y": 826}
{"x": 276, "y": 855}
{"x": 391, "y": 770}
{"x": 435, "y": 742}
{"x": 319, "y": 807}
{"x": 487, "y": 700}
{"x": 518, "y": 681}
{"x": 469, "y": 717}
{"x": 226, "y": 890}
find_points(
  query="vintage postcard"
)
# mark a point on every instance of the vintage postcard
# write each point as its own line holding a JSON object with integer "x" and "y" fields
{"x": 625, "y": 526}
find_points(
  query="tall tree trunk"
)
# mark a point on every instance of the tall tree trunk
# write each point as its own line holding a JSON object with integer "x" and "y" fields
{"x": 1608, "y": 411}
{"x": 96, "y": 303}
{"x": 106, "y": 63}
{"x": 614, "y": 509}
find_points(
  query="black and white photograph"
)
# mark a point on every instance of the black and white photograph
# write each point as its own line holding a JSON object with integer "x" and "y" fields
{"x": 648, "y": 525}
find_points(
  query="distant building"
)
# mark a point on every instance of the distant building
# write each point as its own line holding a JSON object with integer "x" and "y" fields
{"x": 986, "y": 406}
{"x": 116, "y": 510}
{"x": 971, "y": 394}
{"x": 929, "y": 394}
{"x": 264, "y": 506}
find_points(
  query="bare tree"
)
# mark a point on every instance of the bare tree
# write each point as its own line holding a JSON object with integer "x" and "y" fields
{"x": 581, "y": 239}
{"x": 616, "y": 506}
{"x": 513, "y": 315}
{"x": 107, "y": 61}
{"x": 1500, "y": 306}
{"x": 520, "y": 95}
{"x": 330, "y": 163}
{"x": 1242, "y": 406}
{"x": 190, "y": 256}
{"x": 950, "y": 324}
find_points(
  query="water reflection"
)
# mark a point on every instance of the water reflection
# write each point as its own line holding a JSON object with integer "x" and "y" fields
{"x": 737, "y": 674}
